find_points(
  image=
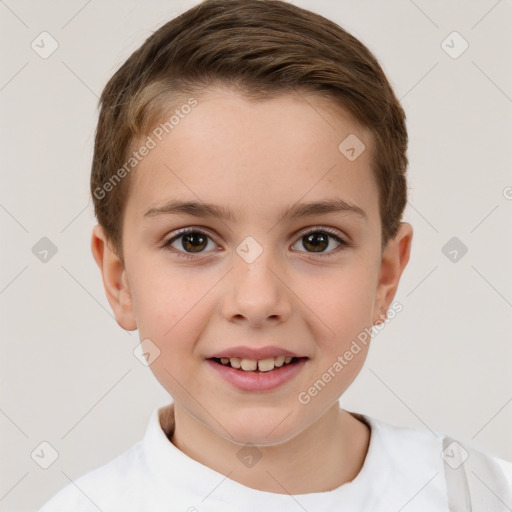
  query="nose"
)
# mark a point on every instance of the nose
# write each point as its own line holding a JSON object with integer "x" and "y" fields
{"x": 256, "y": 293}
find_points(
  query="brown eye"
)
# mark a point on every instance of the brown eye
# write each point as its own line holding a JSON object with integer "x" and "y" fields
{"x": 320, "y": 240}
{"x": 194, "y": 241}
{"x": 189, "y": 242}
{"x": 316, "y": 242}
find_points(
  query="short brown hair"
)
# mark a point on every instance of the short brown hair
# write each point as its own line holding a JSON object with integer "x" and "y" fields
{"x": 262, "y": 48}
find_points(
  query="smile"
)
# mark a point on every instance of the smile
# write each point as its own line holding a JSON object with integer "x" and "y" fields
{"x": 257, "y": 375}
{"x": 250, "y": 365}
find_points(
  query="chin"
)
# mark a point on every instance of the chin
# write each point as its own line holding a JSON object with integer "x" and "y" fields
{"x": 261, "y": 428}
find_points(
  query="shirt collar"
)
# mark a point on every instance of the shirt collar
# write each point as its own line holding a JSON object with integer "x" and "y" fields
{"x": 176, "y": 470}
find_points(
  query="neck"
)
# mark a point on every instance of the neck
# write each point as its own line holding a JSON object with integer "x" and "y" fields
{"x": 327, "y": 454}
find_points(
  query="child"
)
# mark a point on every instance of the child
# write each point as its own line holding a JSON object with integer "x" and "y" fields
{"x": 249, "y": 180}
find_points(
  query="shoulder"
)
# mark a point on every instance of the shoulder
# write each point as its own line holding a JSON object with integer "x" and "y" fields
{"x": 110, "y": 483}
{"x": 425, "y": 444}
{"x": 455, "y": 470}
{"x": 478, "y": 479}
{"x": 405, "y": 446}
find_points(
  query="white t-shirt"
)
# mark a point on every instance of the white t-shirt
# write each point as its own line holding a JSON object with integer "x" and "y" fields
{"x": 403, "y": 471}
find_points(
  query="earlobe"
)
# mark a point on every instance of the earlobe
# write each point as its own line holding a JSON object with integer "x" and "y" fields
{"x": 115, "y": 280}
{"x": 394, "y": 260}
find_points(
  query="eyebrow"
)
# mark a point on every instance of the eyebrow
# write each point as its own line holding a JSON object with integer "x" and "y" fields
{"x": 297, "y": 210}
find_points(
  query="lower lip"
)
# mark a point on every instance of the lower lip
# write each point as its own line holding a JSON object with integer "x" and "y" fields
{"x": 257, "y": 381}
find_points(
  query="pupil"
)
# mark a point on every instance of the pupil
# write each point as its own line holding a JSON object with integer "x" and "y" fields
{"x": 196, "y": 241}
{"x": 318, "y": 241}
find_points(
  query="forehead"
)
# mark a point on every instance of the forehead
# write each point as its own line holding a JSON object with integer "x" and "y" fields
{"x": 251, "y": 155}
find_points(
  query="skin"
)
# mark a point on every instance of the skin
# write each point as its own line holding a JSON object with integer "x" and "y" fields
{"x": 257, "y": 158}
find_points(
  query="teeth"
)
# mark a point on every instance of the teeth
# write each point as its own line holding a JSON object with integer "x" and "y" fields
{"x": 235, "y": 362}
{"x": 248, "y": 364}
{"x": 278, "y": 361}
{"x": 263, "y": 365}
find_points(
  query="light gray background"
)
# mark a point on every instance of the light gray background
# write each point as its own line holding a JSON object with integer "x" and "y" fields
{"x": 68, "y": 373}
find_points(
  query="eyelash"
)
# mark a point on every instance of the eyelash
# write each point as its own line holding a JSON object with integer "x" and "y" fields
{"x": 190, "y": 256}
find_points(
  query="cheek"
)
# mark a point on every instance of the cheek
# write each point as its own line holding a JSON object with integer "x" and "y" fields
{"x": 173, "y": 310}
{"x": 172, "y": 315}
{"x": 164, "y": 296}
{"x": 343, "y": 299}
{"x": 345, "y": 306}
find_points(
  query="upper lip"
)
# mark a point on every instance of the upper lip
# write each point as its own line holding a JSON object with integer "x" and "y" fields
{"x": 253, "y": 353}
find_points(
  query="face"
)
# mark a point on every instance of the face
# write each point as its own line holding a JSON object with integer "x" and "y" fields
{"x": 274, "y": 271}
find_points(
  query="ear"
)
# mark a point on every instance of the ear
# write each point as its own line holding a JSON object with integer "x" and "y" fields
{"x": 115, "y": 279}
{"x": 394, "y": 260}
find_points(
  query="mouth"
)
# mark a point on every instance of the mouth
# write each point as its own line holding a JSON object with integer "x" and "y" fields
{"x": 257, "y": 375}
{"x": 268, "y": 364}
